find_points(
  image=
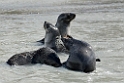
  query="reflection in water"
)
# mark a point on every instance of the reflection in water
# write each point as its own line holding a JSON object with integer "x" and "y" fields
{"x": 98, "y": 22}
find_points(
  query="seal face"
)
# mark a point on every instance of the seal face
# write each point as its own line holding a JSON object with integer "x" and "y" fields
{"x": 51, "y": 34}
{"x": 43, "y": 55}
{"x": 81, "y": 55}
{"x": 53, "y": 38}
{"x": 63, "y": 23}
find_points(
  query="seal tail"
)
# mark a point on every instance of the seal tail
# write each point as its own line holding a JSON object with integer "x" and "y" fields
{"x": 98, "y": 60}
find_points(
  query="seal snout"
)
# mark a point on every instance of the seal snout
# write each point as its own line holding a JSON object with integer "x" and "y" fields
{"x": 70, "y": 16}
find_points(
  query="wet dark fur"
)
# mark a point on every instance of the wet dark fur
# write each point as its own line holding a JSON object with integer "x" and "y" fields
{"x": 43, "y": 55}
{"x": 81, "y": 55}
{"x": 53, "y": 38}
{"x": 47, "y": 56}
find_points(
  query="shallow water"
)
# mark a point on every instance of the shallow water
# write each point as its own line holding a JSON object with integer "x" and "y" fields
{"x": 98, "y": 22}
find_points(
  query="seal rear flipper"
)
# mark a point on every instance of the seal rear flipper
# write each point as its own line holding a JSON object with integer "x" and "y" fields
{"x": 98, "y": 60}
{"x": 41, "y": 41}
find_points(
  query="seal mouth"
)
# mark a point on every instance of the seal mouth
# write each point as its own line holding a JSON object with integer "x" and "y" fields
{"x": 72, "y": 15}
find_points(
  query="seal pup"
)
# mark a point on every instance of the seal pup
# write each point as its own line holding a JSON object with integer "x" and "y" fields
{"x": 81, "y": 55}
{"x": 43, "y": 55}
{"x": 63, "y": 23}
{"x": 53, "y": 38}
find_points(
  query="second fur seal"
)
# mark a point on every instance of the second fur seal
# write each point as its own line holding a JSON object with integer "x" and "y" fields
{"x": 53, "y": 38}
{"x": 81, "y": 55}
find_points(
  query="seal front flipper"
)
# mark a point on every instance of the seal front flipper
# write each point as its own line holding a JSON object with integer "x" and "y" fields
{"x": 41, "y": 41}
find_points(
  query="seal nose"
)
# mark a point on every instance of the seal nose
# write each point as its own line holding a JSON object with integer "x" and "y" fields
{"x": 70, "y": 16}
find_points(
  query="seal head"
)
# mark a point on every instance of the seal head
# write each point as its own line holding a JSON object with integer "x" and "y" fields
{"x": 53, "y": 38}
{"x": 50, "y": 35}
{"x": 63, "y": 23}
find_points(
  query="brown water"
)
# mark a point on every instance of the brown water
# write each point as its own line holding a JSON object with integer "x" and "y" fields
{"x": 98, "y": 22}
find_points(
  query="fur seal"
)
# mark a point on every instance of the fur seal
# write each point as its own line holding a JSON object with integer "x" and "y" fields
{"x": 63, "y": 23}
{"x": 43, "y": 55}
{"x": 81, "y": 55}
{"x": 53, "y": 38}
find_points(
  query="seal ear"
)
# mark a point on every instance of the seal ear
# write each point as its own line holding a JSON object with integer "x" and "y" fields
{"x": 46, "y": 24}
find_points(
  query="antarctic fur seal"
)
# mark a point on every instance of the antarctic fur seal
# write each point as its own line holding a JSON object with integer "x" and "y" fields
{"x": 81, "y": 55}
{"x": 63, "y": 23}
{"x": 43, "y": 55}
{"x": 53, "y": 38}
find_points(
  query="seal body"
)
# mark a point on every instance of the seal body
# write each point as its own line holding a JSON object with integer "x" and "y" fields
{"x": 81, "y": 55}
{"x": 43, "y": 55}
{"x": 47, "y": 56}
